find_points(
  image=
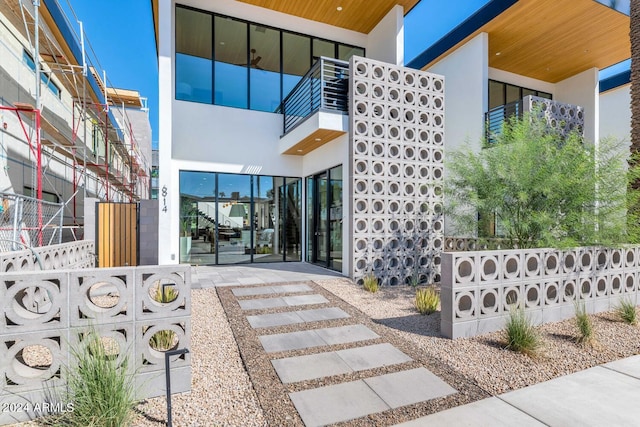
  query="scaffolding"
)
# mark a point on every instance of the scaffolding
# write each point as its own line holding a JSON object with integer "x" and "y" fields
{"x": 109, "y": 159}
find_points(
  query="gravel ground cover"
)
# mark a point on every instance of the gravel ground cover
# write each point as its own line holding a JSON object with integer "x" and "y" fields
{"x": 230, "y": 390}
{"x": 482, "y": 359}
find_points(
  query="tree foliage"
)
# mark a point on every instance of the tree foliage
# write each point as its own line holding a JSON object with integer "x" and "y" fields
{"x": 544, "y": 189}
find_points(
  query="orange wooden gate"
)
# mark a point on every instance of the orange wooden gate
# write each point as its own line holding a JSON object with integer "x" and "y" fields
{"x": 117, "y": 234}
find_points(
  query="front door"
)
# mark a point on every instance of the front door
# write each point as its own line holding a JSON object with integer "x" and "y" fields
{"x": 325, "y": 220}
{"x": 320, "y": 235}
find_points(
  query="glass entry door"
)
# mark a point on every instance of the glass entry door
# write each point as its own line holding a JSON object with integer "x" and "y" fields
{"x": 325, "y": 219}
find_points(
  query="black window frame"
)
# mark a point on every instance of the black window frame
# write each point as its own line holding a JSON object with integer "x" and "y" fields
{"x": 504, "y": 92}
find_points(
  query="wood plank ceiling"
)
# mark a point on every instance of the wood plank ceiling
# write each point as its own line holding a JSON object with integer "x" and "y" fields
{"x": 552, "y": 40}
{"x": 357, "y": 15}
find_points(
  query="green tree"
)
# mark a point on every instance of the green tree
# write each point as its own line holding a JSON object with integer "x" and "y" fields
{"x": 544, "y": 189}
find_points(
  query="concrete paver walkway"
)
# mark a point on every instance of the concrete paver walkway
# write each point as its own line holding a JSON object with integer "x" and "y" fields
{"x": 343, "y": 401}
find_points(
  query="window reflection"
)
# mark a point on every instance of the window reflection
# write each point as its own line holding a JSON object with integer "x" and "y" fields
{"x": 231, "y": 62}
{"x": 193, "y": 56}
{"x": 296, "y": 59}
{"x": 265, "y": 68}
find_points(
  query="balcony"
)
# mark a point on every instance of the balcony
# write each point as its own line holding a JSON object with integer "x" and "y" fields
{"x": 563, "y": 118}
{"x": 316, "y": 110}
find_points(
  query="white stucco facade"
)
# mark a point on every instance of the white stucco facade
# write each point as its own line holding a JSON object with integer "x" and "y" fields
{"x": 615, "y": 113}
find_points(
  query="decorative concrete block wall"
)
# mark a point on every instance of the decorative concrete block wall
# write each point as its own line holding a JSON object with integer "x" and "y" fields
{"x": 396, "y": 169}
{"x": 72, "y": 255}
{"x": 46, "y": 313}
{"x": 479, "y": 287}
{"x": 559, "y": 116}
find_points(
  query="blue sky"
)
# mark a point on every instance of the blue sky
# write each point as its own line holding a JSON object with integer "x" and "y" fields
{"x": 120, "y": 33}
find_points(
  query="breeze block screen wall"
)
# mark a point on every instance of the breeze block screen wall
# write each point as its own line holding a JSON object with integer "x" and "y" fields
{"x": 396, "y": 169}
{"x": 479, "y": 287}
{"x": 46, "y": 313}
{"x": 561, "y": 117}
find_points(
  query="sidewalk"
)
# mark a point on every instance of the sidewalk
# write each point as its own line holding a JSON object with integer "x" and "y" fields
{"x": 606, "y": 395}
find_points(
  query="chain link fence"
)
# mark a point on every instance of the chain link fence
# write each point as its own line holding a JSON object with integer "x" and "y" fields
{"x": 26, "y": 222}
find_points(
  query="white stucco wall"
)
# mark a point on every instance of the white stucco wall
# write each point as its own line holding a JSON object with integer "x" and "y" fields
{"x": 583, "y": 90}
{"x": 465, "y": 74}
{"x": 466, "y": 94}
{"x": 245, "y": 139}
{"x": 386, "y": 41}
{"x": 615, "y": 113}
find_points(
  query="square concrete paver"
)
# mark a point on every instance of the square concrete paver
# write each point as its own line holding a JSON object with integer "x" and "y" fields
{"x": 407, "y": 387}
{"x": 274, "y": 319}
{"x": 261, "y": 303}
{"x": 629, "y": 366}
{"x": 290, "y": 341}
{"x": 595, "y": 397}
{"x": 336, "y": 403}
{"x": 262, "y": 290}
{"x": 491, "y": 412}
{"x": 345, "y": 334}
{"x": 294, "y": 287}
{"x": 372, "y": 356}
{"x": 320, "y": 314}
{"x": 301, "y": 368}
{"x": 316, "y": 337}
{"x": 305, "y": 300}
{"x": 270, "y": 290}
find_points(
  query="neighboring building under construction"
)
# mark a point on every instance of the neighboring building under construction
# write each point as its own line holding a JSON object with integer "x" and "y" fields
{"x": 71, "y": 136}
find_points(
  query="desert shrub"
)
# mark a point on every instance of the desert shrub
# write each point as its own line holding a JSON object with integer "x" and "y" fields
{"x": 427, "y": 300}
{"x": 99, "y": 386}
{"x": 626, "y": 311}
{"x": 520, "y": 333}
{"x": 583, "y": 323}
{"x": 370, "y": 283}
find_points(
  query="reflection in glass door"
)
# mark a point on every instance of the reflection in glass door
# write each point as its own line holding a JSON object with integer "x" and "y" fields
{"x": 321, "y": 206}
{"x": 325, "y": 218}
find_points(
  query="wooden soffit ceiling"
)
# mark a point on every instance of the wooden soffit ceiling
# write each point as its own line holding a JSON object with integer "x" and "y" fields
{"x": 357, "y": 15}
{"x": 552, "y": 40}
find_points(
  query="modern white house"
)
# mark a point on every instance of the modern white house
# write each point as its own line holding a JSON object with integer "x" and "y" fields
{"x": 302, "y": 120}
{"x": 298, "y": 118}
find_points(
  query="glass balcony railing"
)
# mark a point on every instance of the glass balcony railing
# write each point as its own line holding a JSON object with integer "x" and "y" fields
{"x": 325, "y": 87}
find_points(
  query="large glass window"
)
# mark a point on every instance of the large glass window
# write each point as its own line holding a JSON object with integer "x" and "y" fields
{"x": 323, "y": 48}
{"x": 264, "y": 68}
{"x": 256, "y": 66}
{"x": 232, "y": 219}
{"x": 296, "y": 59}
{"x": 232, "y": 62}
{"x": 193, "y": 56}
{"x": 503, "y": 93}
